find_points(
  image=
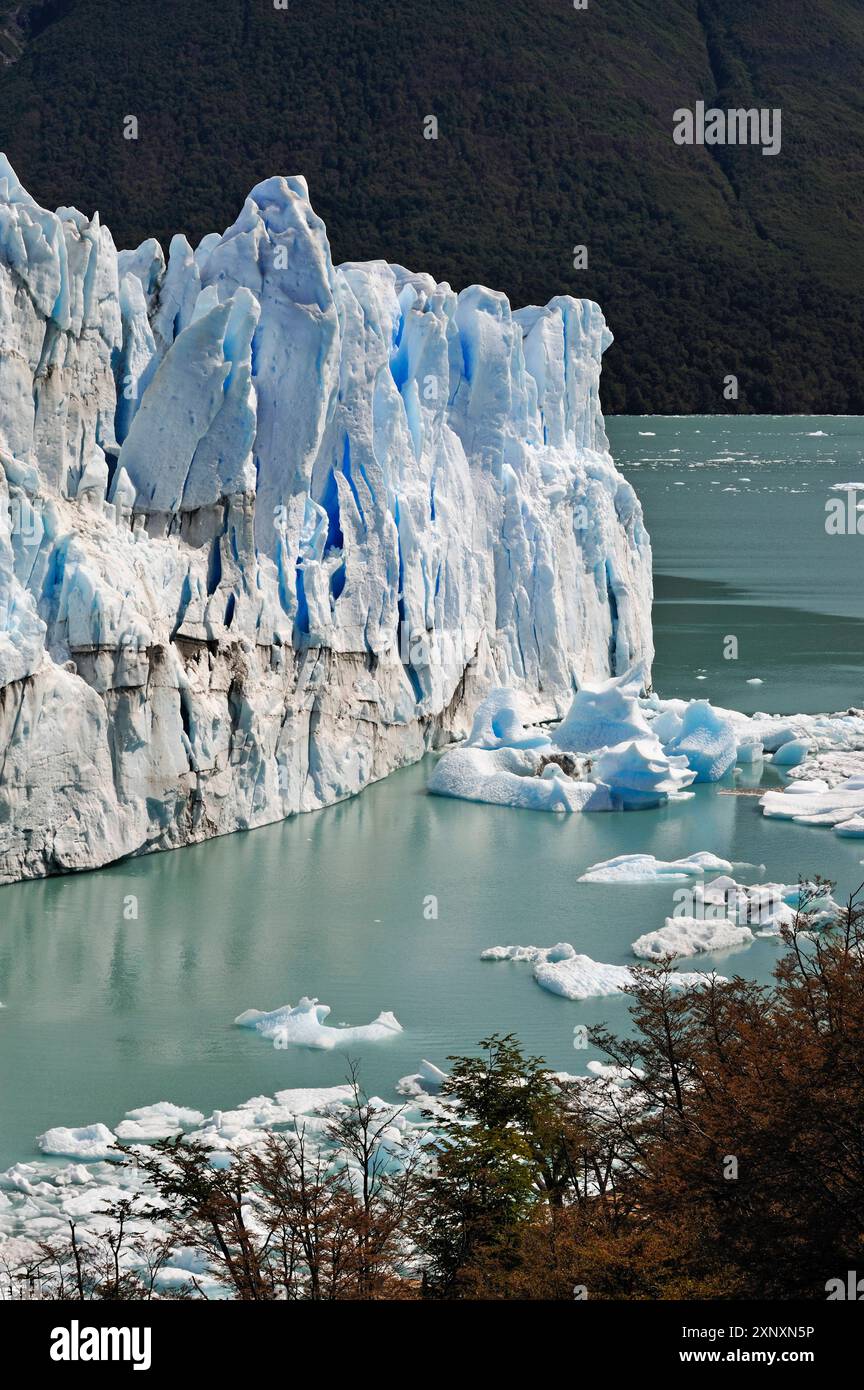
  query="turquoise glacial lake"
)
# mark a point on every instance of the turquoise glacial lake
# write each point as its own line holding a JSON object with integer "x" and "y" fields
{"x": 103, "y": 1014}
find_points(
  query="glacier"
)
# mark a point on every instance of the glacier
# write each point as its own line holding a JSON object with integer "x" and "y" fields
{"x": 271, "y": 528}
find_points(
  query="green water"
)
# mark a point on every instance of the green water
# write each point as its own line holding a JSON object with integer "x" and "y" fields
{"x": 751, "y": 559}
{"x": 104, "y": 1014}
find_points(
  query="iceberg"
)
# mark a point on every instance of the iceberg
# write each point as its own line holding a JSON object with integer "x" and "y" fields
{"x": 691, "y": 936}
{"x": 508, "y": 763}
{"x": 499, "y": 723}
{"x": 816, "y": 803}
{"x": 562, "y": 970}
{"x": 420, "y": 1083}
{"x": 303, "y": 1025}
{"x": 88, "y": 1142}
{"x": 532, "y": 954}
{"x": 271, "y": 528}
{"x": 792, "y": 753}
{"x": 604, "y": 715}
{"x": 640, "y": 775}
{"x": 506, "y": 778}
{"x": 160, "y": 1121}
{"x": 644, "y": 868}
{"x": 707, "y": 741}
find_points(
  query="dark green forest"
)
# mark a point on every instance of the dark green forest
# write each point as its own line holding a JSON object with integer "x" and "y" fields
{"x": 555, "y": 130}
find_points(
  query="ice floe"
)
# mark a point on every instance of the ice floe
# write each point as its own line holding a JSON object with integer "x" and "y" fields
{"x": 428, "y": 1079}
{"x": 87, "y": 1142}
{"x": 38, "y": 1198}
{"x": 724, "y": 915}
{"x": 562, "y": 970}
{"x": 791, "y": 754}
{"x": 815, "y": 803}
{"x": 644, "y": 868}
{"x": 303, "y": 1025}
{"x": 159, "y": 1121}
{"x": 691, "y": 936}
{"x": 509, "y": 777}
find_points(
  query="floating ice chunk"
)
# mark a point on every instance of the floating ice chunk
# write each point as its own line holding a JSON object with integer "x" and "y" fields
{"x": 644, "y": 868}
{"x": 428, "y": 1078}
{"x": 531, "y": 954}
{"x": 776, "y": 735}
{"x": 90, "y": 1141}
{"x": 640, "y": 775}
{"x": 768, "y": 905}
{"x": 847, "y": 487}
{"x": 303, "y": 1026}
{"x": 604, "y": 715}
{"x": 160, "y": 1121}
{"x": 749, "y": 752}
{"x": 580, "y": 977}
{"x": 508, "y": 777}
{"x": 814, "y": 804}
{"x": 755, "y": 680}
{"x": 691, "y": 936}
{"x": 852, "y": 829}
{"x": 562, "y": 970}
{"x": 302, "y": 1100}
{"x": 814, "y": 787}
{"x": 707, "y": 740}
{"x": 793, "y": 753}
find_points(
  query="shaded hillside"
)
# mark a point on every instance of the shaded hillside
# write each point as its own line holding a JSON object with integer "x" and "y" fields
{"x": 555, "y": 130}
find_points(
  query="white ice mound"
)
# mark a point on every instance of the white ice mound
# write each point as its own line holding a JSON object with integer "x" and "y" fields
{"x": 428, "y": 1079}
{"x": 639, "y": 775}
{"x": 509, "y": 777}
{"x": 603, "y": 715}
{"x": 724, "y": 915}
{"x": 792, "y": 754}
{"x": 38, "y": 1198}
{"x": 532, "y": 954}
{"x": 562, "y": 970}
{"x": 815, "y": 803}
{"x": 160, "y": 1121}
{"x": 507, "y": 763}
{"x": 271, "y": 528}
{"x": 303, "y": 1025}
{"x": 707, "y": 741}
{"x": 644, "y": 868}
{"x": 88, "y": 1142}
{"x": 691, "y": 936}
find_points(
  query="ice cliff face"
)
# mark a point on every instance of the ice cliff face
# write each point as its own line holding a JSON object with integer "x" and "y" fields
{"x": 270, "y": 528}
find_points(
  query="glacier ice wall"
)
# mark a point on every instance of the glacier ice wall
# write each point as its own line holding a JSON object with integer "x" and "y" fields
{"x": 271, "y": 528}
